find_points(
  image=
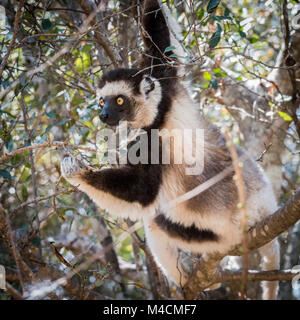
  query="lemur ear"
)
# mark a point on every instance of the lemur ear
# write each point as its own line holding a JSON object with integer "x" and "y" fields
{"x": 147, "y": 85}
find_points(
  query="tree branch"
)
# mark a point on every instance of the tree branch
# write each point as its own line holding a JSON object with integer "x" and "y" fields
{"x": 253, "y": 275}
{"x": 102, "y": 41}
{"x": 205, "y": 274}
{"x": 44, "y": 145}
{"x": 13, "y": 40}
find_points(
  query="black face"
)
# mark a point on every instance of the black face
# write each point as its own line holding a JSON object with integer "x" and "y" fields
{"x": 114, "y": 109}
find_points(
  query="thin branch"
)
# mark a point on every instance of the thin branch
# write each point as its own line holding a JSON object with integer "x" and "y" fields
{"x": 13, "y": 292}
{"x": 253, "y": 275}
{"x": 98, "y": 36}
{"x": 44, "y": 145}
{"x": 242, "y": 205}
{"x": 267, "y": 147}
{"x": 7, "y": 234}
{"x": 59, "y": 256}
{"x": 36, "y": 200}
{"x": 13, "y": 40}
{"x": 31, "y": 159}
{"x": 288, "y": 56}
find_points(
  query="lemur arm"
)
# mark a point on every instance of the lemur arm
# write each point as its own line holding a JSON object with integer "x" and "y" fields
{"x": 138, "y": 183}
{"x": 157, "y": 38}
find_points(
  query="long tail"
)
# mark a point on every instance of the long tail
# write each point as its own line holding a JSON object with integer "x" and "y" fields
{"x": 157, "y": 39}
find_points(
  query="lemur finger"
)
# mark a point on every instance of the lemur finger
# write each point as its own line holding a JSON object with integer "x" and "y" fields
{"x": 70, "y": 166}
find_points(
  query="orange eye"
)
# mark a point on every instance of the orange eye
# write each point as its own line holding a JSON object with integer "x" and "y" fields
{"x": 101, "y": 102}
{"x": 120, "y": 101}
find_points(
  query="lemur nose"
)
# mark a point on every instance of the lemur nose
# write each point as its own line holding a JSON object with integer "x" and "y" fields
{"x": 103, "y": 116}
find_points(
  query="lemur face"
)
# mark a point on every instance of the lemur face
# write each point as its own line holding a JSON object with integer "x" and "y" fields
{"x": 126, "y": 95}
{"x": 115, "y": 108}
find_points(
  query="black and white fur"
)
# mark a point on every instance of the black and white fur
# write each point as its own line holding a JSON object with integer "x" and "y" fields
{"x": 153, "y": 98}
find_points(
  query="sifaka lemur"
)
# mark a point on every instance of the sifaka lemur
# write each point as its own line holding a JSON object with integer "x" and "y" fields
{"x": 149, "y": 98}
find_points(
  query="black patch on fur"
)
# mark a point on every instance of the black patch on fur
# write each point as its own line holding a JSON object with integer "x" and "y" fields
{"x": 139, "y": 183}
{"x": 151, "y": 83}
{"x": 156, "y": 37}
{"x": 163, "y": 108}
{"x": 188, "y": 234}
{"x": 156, "y": 34}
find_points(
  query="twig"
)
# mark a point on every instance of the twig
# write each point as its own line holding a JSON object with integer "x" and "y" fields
{"x": 63, "y": 279}
{"x": 13, "y": 292}
{"x": 33, "y": 178}
{"x": 24, "y": 204}
{"x": 289, "y": 181}
{"x": 54, "y": 201}
{"x": 6, "y": 231}
{"x": 12, "y": 127}
{"x": 100, "y": 39}
{"x": 253, "y": 275}
{"x": 260, "y": 158}
{"x": 12, "y": 43}
{"x": 72, "y": 286}
{"x": 44, "y": 145}
{"x": 292, "y": 74}
{"x": 242, "y": 206}
{"x": 59, "y": 256}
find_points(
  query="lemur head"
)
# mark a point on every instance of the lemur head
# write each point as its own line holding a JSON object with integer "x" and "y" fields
{"x": 129, "y": 95}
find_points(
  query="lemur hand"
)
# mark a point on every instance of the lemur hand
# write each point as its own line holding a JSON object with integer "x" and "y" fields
{"x": 71, "y": 167}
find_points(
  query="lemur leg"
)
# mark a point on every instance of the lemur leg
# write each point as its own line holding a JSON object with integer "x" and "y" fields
{"x": 270, "y": 256}
{"x": 125, "y": 192}
{"x": 165, "y": 254}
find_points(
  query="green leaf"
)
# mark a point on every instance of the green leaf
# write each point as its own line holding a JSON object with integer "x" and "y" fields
{"x": 254, "y": 39}
{"x": 5, "y": 84}
{"x": 48, "y": 129}
{"x": 36, "y": 241}
{"x": 207, "y": 76}
{"x": 83, "y": 131}
{"x": 227, "y": 12}
{"x": 285, "y": 116}
{"x": 221, "y": 18}
{"x": 200, "y": 13}
{"x": 50, "y": 114}
{"x": 63, "y": 121}
{"x": 46, "y": 24}
{"x": 102, "y": 272}
{"x": 214, "y": 83}
{"x": 24, "y": 193}
{"x": 219, "y": 73}
{"x": 5, "y": 174}
{"x": 243, "y": 34}
{"x": 215, "y": 38}
{"x": 82, "y": 62}
{"x": 212, "y": 5}
{"x": 24, "y": 176}
{"x": 170, "y": 48}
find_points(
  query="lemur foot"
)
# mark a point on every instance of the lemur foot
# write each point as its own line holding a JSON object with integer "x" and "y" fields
{"x": 71, "y": 167}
